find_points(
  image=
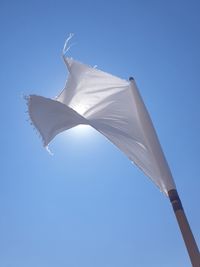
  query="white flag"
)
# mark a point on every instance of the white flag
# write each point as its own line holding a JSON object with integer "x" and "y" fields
{"x": 113, "y": 107}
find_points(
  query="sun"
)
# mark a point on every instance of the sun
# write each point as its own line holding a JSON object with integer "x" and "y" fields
{"x": 82, "y": 130}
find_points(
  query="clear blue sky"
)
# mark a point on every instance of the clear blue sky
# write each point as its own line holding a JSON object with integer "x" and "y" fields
{"x": 88, "y": 205}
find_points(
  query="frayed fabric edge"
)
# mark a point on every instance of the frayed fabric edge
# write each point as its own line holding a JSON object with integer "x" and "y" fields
{"x": 49, "y": 151}
{"x": 67, "y": 47}
{"x": 36, "y": 129}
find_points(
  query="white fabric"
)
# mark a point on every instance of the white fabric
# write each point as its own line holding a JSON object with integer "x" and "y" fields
{"x": 113, "y": 107}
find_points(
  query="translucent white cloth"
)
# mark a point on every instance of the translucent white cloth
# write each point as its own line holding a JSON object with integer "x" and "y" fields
{"x": 113, "y": 107}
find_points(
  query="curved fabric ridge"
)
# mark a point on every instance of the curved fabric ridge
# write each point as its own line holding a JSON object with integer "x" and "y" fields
{"x": 113, "y": 107}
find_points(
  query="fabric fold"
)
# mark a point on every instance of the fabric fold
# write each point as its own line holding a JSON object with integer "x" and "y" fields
{"x": 51, "y": 117}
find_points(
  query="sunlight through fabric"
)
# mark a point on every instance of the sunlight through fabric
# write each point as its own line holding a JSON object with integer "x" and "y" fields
{"x": 110, "y": 105}
{"x": 83, "y": 131}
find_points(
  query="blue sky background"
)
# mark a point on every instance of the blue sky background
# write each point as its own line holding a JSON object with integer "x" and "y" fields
{"x": 88, "y": 205}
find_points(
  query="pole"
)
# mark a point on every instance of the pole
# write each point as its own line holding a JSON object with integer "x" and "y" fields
{"x": 184, "y": 226}
{"x": 153, "y": 143}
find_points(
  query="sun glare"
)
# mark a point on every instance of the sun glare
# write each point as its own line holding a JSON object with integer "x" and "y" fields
{"x": 80, "y": 134}
{"x": 82, "y": 130}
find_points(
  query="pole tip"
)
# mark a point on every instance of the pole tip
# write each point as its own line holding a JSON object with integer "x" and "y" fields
{"x": 131, "y": 79}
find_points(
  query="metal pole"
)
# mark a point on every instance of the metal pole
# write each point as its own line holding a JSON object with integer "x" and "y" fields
{"x": 188, "y": 237}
